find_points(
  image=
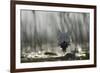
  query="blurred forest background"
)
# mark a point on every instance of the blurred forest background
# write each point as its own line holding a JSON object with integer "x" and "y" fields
{"x": 44, "y": 32}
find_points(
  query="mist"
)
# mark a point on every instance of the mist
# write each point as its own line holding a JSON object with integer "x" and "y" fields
{"x": 44, "y": 30}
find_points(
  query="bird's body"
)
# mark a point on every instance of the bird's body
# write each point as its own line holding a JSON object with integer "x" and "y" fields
{"x": 64, "y": 45}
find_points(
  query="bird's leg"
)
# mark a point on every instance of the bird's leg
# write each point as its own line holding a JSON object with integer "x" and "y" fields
{"x": 64, "y": 51}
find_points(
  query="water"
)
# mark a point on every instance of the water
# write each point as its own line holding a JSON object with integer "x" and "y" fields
{"x": 40, "y": 31}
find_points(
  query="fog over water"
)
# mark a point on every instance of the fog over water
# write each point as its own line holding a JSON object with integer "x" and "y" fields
{"x": 44, "y": 30}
